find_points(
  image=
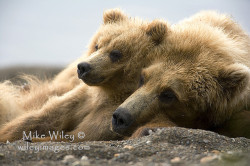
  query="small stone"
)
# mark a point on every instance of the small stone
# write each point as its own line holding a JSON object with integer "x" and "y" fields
{"x": 128, "y": 147}
{"x": 116, "y": 155}
{"x": 148, "y": 142}
{"x": 175, "y": 160}
{"x": 84, "y": 158}
{"x": 150, "y": 132}
{"x": 215, "y": 151}
{"x": 68, "y": 159}
{"x": 206, "y": 141}
{"x": 86, "y": 147}
{"x": 1, "y": 155}
{"x": 208, "y": 159}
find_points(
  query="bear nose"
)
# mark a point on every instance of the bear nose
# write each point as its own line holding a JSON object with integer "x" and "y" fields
{"x": 82, "y": 69}
{"x": 121, "y": 120}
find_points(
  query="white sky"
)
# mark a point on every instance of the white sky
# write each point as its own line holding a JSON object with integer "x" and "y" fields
{"x": 56, "y": 32}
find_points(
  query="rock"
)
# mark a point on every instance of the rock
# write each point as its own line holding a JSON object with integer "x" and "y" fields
{"x": 1, "y": 155}
{"x": 150, "y": 132}
{"x": 68, "y": 159}
{"x": 84, "y": 158}
{"x": 215, "y": 151}
{"x": 128, "y": 147}
{"x": 175, "y": 160}
{"x": 208, "y": 159}
{"x": 206, "y": 141}
{"x": 117, "y": 155}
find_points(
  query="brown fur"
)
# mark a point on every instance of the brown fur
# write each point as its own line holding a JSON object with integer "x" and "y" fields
{"x": 34, "y": 94}
{"x": 199, "y": 78}
{"x": 87, "y": 108}
{"x": 237, "y": 126}
{"x": 8, "y": 102}
{"x": 195, "y": 59}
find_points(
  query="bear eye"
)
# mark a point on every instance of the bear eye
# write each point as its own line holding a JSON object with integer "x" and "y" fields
{"x": 115, "y": 55}
{"x": 141, "y": 81}
{"x": 167, "y": 96}
{"x": 96, "y": 47}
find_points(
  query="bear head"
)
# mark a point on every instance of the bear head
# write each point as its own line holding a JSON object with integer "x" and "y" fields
{"x": 119, "y": 49}
{"x": 198, "y": 80}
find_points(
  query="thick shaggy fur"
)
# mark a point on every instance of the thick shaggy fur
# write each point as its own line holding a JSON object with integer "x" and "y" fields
{"x": 83, "y": 107}
{"x": 8, "y": 102}
{"x": 199, "y": 78}
{"x": 16, "y": 100}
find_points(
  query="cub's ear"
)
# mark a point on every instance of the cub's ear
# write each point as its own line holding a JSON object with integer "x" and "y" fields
{"x": 113, "y": 15}
{"x": 234, "y": 80}
{"x": 157, "y": 29}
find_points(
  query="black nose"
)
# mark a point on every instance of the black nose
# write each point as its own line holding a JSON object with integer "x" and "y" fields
{"x": 82, "y": 69}
{"x": 121, "y": 120}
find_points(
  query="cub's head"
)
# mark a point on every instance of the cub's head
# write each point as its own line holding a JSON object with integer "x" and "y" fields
{"x": 197, "y": 82}
{"x": 119, "y": 48}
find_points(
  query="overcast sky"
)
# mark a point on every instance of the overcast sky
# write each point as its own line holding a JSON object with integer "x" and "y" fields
{"x": 56, "y": 32}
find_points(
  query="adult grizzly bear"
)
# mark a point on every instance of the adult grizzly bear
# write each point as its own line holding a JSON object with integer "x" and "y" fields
{"x": 199, "y": 80}
{"x": 117, "y": 54}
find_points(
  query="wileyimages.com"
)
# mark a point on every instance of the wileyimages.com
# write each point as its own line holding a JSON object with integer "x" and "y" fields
{"x": 54, "y": 148}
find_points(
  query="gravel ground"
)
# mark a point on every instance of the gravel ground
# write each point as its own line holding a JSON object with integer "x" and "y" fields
{"x": 167, "y": 146}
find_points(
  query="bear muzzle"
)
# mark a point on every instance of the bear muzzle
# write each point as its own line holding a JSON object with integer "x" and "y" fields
{"x": 122, "y": 121}
{"x": 82, "y": 69}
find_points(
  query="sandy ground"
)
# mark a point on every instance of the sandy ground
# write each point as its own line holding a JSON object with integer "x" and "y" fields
{"x": 166, "y": 146}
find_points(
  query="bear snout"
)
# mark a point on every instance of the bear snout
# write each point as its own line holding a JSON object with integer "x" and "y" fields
{"x": 121, "y": 121}
{"x": 82, "y": 69}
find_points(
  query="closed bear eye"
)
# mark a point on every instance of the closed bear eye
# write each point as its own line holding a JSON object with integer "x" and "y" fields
{"x": 96, "y": 47}
{"x": 167, "y": 96}
{"x": 115, "y": 55}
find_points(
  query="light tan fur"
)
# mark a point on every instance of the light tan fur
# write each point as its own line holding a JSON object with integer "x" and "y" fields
{"x": 88, "y": 108}
{"x": 8, "y": 102}
{"x": 199, "y": 77}
{"x": 193, "y": 59}
{"x": 16, "y": 100}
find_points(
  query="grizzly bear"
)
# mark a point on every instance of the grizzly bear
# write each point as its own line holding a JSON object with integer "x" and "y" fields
{"x": 36, "y": 93}
{"x": 200, "y": 79}
{"x": 118, "y": 52}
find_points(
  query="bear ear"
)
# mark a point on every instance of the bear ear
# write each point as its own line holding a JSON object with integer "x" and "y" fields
{"x": 113, "y": 15}
{"x": 234, "y": 79}
{"x": 157, "y": 29}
